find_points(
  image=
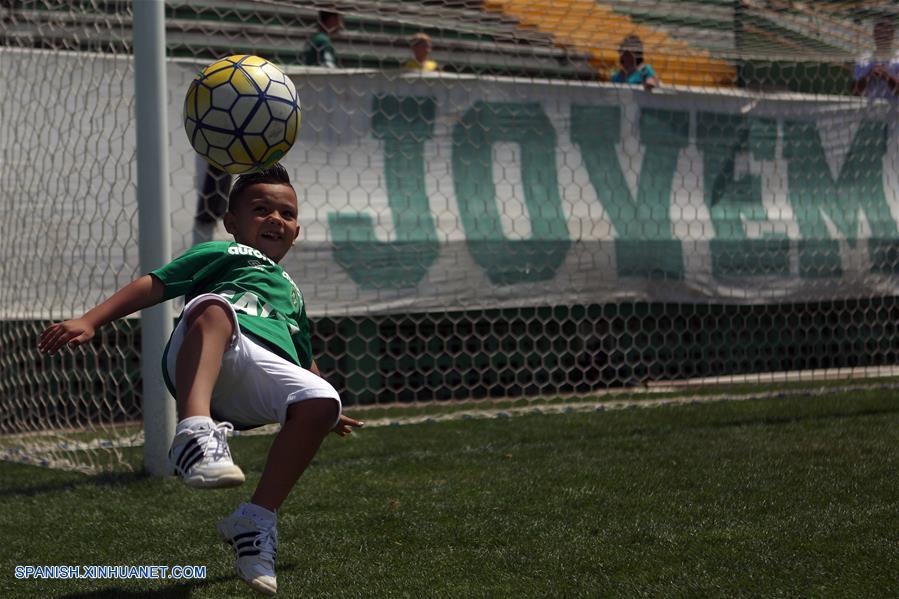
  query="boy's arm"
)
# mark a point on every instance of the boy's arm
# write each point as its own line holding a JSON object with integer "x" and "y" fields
{"x": 891, "y": 80}
{"x": 141, "y": 293}
{"x": 861, "y": 73}
{"x": 650, "y": 79}
{"x": 345, "y": 424}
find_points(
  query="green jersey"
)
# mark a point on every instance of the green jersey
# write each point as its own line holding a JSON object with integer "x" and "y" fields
{"x": 268, "y": 303}
{"x": 320, "y": 52}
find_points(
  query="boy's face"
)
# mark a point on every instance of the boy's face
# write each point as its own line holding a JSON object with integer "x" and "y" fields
{"x": 332, "y": 24}
{"x": 420, "y": 50}
{"x": 628, "y": 60}
{"x": 265, "y": 218}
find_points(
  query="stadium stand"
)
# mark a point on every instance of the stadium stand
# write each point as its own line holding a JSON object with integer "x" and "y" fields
{"x": 375, "y": 35}
{"x": 598, "y": 28}
{"x": 807, "y": 30}
{"x": 762, "y": 44}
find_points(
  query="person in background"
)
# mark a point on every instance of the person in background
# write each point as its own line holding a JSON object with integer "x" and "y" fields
{"x": 633, "y": 69}
{"x": 421, "y": 49}
{"x": 877, "y": 75}
{"x": 319, "y": 49}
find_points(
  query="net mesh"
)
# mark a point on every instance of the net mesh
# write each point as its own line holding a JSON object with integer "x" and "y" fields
{"x": 513, "y": 223}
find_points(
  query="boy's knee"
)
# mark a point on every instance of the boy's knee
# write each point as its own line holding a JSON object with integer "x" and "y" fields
{"x": 210, "y": 315}
{"x": 314, "y": 414}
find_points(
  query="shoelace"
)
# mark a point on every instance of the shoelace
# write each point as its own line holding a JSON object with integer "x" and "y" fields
{"x": 267, "y": 541}
{"x": 218, "y": 437}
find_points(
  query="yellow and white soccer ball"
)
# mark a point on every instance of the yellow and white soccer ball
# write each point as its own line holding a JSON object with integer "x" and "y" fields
{"x": 241, "y": 113}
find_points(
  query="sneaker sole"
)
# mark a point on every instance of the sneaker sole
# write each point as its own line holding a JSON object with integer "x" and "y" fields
{"x": 253, "y": 584}
{"x": 259, "y": 587}
{"x": 219, "y": 481}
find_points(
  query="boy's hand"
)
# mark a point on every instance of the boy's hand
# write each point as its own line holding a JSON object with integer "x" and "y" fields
{"x": 72, "y": 332}
{"x": 346, "y": 425}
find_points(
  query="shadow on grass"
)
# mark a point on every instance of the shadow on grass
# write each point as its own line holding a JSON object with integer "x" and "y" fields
{"x": 768, "y": 420}
{"x": 174, "y": 591}
{"x": 16, "y": 487}
{"x": 178, "y": 590}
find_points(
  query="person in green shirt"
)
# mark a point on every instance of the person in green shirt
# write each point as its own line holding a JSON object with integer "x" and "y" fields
{"x": 319, "y": 49}
{"x": 240, "y": 354}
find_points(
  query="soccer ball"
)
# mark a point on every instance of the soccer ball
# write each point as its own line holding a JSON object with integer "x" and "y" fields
{"x": 241, "y": 113}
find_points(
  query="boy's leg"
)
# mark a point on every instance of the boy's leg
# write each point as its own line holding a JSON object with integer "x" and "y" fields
{"x": 209, "y": 330}
{"x": 252, "y": 530}
{"x": 199, "y": 452}
{"x": 307, "y": 424}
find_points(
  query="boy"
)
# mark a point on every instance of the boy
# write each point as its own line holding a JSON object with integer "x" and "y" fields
{"x": 421, "y": 51}
{"x": 241, "y": 354}
{"x": 877, "y": 75}
{"x": 319, "y": 50}
{"x": 633, "y": 69}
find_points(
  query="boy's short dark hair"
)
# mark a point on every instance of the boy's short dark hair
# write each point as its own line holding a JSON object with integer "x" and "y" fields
{"x": 273, "y": 174}
{"x": 324, "y": 15}
{"x": 634, "y": 45}
{"x": 885, "y": 21}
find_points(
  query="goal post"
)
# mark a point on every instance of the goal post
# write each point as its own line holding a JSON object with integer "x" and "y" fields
{"x": 150, "y": 108}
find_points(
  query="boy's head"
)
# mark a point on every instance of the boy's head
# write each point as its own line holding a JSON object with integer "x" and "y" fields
{"x": 630, "y": 52}
{"x": 262, "y": 211}
{"x": 421, "y": 46}
{"x": 329, "y": 21}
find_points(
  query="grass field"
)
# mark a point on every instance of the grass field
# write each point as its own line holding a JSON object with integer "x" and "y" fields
{"x": 770, "y": 497}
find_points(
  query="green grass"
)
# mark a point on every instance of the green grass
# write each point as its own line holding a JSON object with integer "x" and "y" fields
{"x": 687, "y": 392}
{"x": 772, "y": 497}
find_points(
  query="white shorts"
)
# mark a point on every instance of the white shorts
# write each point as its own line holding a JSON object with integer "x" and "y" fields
{"x": 255, "y": 385}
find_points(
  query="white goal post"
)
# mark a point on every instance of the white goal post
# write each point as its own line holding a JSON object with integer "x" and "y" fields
{"x": 150, "y": 108}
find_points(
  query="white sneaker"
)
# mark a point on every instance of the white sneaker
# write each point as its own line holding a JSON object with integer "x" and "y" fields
{"x": 256, "y": 548}
{"x": 200, "y": 456}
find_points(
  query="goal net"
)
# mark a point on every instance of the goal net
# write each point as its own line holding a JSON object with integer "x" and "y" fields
{"x": 562, "y": 198}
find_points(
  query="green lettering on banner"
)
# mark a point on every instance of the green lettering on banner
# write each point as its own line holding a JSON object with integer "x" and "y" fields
{"x": 645, "y": 244}
{"x": 858, "y": 187}
{"x": 404, "y": 124}
{"x": 723, "y": 139}
{"x": 506, "y": 261}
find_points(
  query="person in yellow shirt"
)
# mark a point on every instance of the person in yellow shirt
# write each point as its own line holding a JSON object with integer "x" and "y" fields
{"x": 421, "y": 48}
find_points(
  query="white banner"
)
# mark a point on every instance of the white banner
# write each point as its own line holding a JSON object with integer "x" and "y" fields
{"x": 422, "y": 193}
